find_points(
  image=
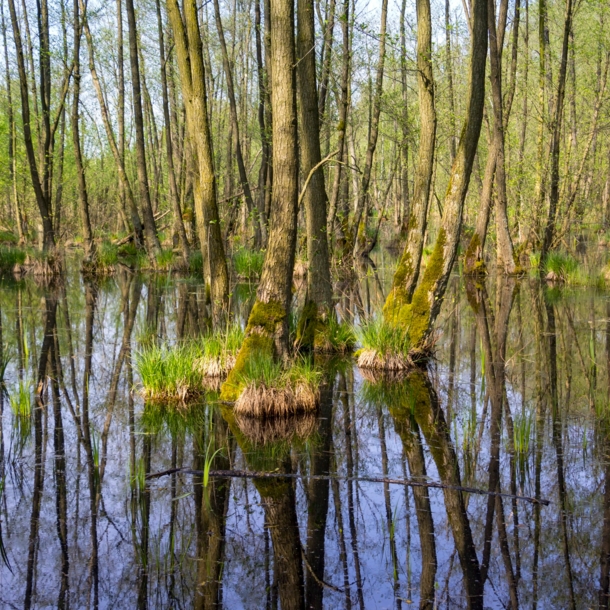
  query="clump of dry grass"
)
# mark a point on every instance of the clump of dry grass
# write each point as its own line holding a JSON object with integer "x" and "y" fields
{"x": 272, "y": 391}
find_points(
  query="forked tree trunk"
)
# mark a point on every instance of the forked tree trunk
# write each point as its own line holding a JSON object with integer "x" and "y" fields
{"x": 420, "y": 314}
{"x": 407, "y": 273}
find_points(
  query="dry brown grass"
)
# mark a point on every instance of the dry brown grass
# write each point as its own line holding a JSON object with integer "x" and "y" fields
{"x": 372, "y": 359}
{"x": 264, "y": 402}
{"x": 217, "y": 366}
{"x": 265, "y": 431}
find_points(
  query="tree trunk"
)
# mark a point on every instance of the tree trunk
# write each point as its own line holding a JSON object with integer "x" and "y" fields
{"x": 267, "y": 329}
{"x": 407, "y": 273}
{"x": 419, "y": 315}
{"x": 319, "y": 286}
{"x": 171, "y": 174}
{"x": 153, "y": 247}
{"x": 83, "y": 199}
{"x": 189, "y": 51}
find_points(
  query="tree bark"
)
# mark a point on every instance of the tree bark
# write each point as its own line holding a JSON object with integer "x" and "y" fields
{"x": 83, "y": 198}
{"x": 419, "y": 315}
{"x": 153, "y": 247}
{"x": 319, "y": 286}
{"x": 189, "y": 51}
{"x": 169, "y": 148}
{"x": 407, "y": 273}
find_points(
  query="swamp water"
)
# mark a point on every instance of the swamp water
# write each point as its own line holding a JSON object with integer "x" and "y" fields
{"x": 84, "y": 525}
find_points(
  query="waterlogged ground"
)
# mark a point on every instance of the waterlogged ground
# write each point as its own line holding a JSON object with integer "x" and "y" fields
{"x": 83, "y": 524}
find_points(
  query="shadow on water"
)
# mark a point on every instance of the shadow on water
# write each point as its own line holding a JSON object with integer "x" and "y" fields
{"x": 109, "y": 502}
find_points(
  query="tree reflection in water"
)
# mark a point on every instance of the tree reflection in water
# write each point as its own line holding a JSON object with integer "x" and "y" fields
{"x": 515, "y": 402}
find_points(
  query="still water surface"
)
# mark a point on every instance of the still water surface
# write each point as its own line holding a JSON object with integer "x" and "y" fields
{"x": 516, "y": 401}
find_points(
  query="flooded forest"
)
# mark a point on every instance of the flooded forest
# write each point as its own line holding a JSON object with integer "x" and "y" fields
{"x": 305, "y": 304}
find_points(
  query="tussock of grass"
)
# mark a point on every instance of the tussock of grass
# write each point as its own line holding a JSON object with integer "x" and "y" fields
{"x": 168, "y": 373}
{"x": 562, "y": 267}
{"x": 9, "y": 257}
{"x": 270, "y": 390}
{"x": 182, "y": 373}
{"x": 384, "y": 346}
{"x": 196, "y": 262}
{"x": 219, "y": 352}
{"x": 334, "y": 337}
{"x": 388, "y": 347}
{"x": 248, "y": 264}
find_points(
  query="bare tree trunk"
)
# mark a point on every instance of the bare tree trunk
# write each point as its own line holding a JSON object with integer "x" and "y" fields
{"x": 78, "y": 159}
{"x": 241, "y": 167}
{"x": 171, "y": 174}
{"x": 153, "y": 247}
{"x": 189, "y": 51}
{"x": 319, "y": 286}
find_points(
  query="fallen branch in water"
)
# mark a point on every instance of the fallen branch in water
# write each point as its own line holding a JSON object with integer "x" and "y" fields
{"x": 245, "y": 474}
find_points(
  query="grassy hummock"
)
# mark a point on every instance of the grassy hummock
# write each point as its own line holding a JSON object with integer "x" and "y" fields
{"x": 11, "y": 257}
{"x": 384, "y": 346}
{"x": 273, "y": 390}
{"x": 248, "y": 263}
{"x": 182, "y": 373}
{"x": 323, "y": 334}
{"x": 388, "y": 347}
